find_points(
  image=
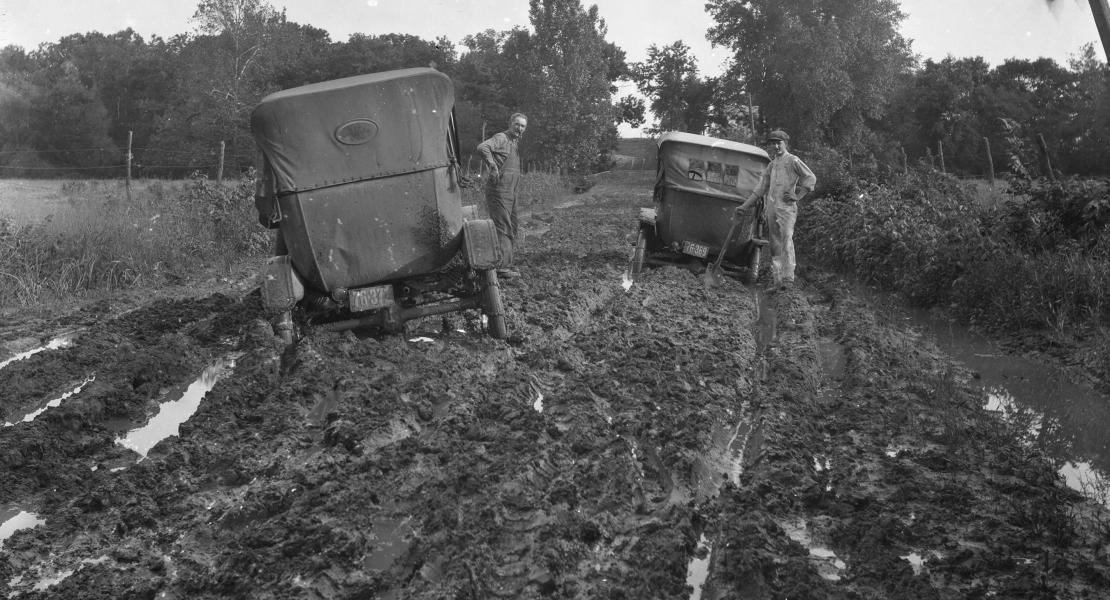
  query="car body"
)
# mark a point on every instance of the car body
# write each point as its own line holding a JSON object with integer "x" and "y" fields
{"x": 360, "y": 177}
{"x": 700, "y": 181}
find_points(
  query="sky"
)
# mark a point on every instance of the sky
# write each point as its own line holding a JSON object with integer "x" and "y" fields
{"x": 994, "y": 29}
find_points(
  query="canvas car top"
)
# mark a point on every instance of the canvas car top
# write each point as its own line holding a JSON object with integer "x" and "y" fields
{"x": 726, "y": 168}
{"x": 355, "y": 128}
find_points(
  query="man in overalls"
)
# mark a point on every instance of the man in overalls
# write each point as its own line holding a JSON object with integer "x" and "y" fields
{"x": 784, "y": 182}
{"x": 503, "y": 160}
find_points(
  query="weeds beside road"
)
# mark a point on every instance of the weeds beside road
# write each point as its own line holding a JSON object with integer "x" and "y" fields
{"x": 85, "y": 237}
{"x": 97, "y": 241}
{"x": 1038, "y": 262}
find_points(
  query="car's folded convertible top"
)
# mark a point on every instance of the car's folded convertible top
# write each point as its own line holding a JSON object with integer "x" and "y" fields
{"x": 356, "y": 128}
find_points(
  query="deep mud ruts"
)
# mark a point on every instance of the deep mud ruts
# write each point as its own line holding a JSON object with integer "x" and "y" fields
{"x": 793, "y": 442}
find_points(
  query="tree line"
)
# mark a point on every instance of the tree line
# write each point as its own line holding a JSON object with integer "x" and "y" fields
{"x": 837, "y": 75}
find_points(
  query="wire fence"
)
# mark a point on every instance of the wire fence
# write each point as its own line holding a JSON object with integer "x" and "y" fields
{"x": 114, "y": 163}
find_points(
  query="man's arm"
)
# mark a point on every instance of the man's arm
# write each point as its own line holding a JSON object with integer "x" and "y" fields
{"x": 806, "y": 179}
{"x": 487, "y": 148}
{"x": 760, "y": 190}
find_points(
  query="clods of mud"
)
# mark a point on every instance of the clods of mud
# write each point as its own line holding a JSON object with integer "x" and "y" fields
{"x": 177, "y": 406}
{"x": 641, "y": 442}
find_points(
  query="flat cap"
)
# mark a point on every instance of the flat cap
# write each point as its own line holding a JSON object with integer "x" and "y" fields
{"x": 778, "y": 134}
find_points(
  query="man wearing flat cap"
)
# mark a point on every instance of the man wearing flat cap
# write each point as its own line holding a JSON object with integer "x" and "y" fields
{"x": 785, "y": 181}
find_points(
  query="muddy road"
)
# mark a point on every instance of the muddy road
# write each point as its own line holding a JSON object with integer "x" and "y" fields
{"x": 661, "y": 441}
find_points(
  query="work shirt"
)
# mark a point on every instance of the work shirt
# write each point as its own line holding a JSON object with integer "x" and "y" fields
{"x": 782, "y": 177}
{"x": 500, "y": 151}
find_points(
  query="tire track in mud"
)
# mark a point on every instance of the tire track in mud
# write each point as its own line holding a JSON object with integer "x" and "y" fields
{"x": 65, "y": 405}
{"x": 612, "y": 439}
{"x": 660, "y": 382}
{"x": 881, "y": 476}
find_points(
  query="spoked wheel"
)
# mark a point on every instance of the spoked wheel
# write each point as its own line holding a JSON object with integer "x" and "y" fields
{"x": 491, "y": 305}
{"x": 755, "y": 254}
{"x": 637, "y": 263}
{"x": 283, "y": 327}
{"x": 752, "y": 273}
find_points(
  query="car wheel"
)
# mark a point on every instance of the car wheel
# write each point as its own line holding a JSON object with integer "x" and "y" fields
{"x": 491, "y": 305}
{"x": 752, "y": 274}
{"x": 755, "y": 255}
{"x": 637, "y": 264}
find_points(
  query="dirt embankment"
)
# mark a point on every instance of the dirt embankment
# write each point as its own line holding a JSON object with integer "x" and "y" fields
{"x": 621, "y": 444}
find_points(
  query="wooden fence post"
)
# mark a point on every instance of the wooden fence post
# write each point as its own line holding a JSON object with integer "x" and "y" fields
{"x": 1047, "y": 160}
{"x": 220, "y": 170}
{"x": 940, "y": 154}
{"x": 130, "y": 135}
{"x": 990, "y": 159}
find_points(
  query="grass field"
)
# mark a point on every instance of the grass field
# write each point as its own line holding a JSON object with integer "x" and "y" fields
{"x": 27, "y": 201}
{"x": 66, "y": 238}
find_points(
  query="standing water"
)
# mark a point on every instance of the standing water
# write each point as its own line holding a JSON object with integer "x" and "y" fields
{"x": 1069, "y": 422}
{"x": 59, "y": 342}
{"x": 13, "y": 519}
{"x": 177, "y": 409}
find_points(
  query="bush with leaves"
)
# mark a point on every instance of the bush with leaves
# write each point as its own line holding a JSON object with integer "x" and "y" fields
{"x": 1041, "y": 259}
{"x": 912, "y": 234}
{"x": 1059, "y": 212}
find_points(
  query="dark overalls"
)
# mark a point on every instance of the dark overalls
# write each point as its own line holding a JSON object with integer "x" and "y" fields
{"x": 501, "y": 192}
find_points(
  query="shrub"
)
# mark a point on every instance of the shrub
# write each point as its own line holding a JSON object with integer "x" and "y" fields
{"x": 1040, "y": 260}
{"x": 164, "y": 233}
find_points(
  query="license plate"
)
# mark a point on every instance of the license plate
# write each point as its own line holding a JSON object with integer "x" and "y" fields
{"x": 695, "y": 249}
{"x": 369, "y": 298}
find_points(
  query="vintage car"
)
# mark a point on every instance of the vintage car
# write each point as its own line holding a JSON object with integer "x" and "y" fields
{"x": 700, "y": 180}
{"x": 360, "y": 178}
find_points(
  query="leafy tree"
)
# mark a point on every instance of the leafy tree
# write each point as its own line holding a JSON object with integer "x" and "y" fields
{"x": 679, "y": 98}
{"x": 483, "y": 100}
{"x": 370, "y": 54}
{"x": 17, "y": 97}
{"x": 1086, "y": 141}
{"x": 129, "y": 76}
{"x": 557, "y": 82}
{"x": 221, "y": 76}
{"x": 71, "y": 124}
{"x": 631, "y": 110}
{"x": 822, "y": 69}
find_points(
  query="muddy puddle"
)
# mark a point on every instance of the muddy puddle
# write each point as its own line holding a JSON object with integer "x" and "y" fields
{"x": 53, "y": 403}
{"x": 179, "y": 404}
{"x": 697, "y": 571}
{"x": 60, "y": 341}
{"x": 1068, "y": 421}
{"x": 13, "y": 519}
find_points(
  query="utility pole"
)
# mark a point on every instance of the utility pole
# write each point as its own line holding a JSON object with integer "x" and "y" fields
{"x": 1101, "y": 10}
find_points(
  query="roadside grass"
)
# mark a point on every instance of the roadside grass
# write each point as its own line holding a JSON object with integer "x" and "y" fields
{"x": 96, "y": 240}
{"x": 71, "y": 239}
{"x": 1037, "y": 257}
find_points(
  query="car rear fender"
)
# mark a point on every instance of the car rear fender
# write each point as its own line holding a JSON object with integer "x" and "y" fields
{"x": 481, "y": 243}
{"x": 281, "y": 286}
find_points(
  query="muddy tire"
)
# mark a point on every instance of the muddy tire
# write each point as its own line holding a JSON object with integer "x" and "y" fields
{"x": 755, "y": 254}
{"x": 283, "y": 328}
{"x": 637, "y": 263}
{"x": 752, "y": 273}
{"x": 491, "y": 305}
